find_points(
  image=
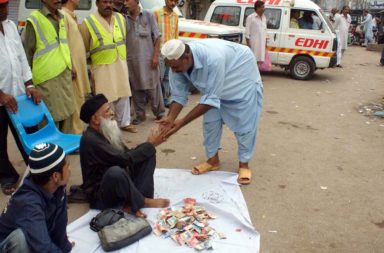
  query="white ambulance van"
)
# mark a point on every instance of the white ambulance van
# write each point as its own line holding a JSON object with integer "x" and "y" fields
{"x": 299, "y": 50}
{"x": 188, "y": 29}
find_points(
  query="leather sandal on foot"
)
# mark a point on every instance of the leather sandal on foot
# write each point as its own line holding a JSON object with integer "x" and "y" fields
{"x": 129, "y": 128}
{"x": 245, "y": 176}
{"x": 203, "y": 168}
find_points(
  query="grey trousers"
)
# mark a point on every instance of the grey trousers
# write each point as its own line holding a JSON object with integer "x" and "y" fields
{"x": 14, "y": 243}
{"x": 119, "y": 188}
{"x": 142, "y": 97}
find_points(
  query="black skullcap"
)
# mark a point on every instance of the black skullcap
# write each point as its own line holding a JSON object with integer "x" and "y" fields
{"x": 44, "y": 157}
{"x": 91, "y": 106}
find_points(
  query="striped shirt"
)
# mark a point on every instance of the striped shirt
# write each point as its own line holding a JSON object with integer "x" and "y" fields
{"x": 168, "y": 23}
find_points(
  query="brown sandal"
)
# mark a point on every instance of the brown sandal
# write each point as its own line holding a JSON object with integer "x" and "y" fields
{"x": 245, "y": 176}
{"x": 203, "y": 168}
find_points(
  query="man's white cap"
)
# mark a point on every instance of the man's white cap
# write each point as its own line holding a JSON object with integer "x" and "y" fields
{"x": 173, "y": 49}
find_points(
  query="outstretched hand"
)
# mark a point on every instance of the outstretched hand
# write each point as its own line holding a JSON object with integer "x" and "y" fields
{"x": 169, "y": 126}
{"x": 165, "y": 123}
{"x": 157, "y": 136}
{"x": 174, "y": 128}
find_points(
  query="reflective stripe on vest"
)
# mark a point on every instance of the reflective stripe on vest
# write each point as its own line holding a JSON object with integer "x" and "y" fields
{"x": 103, "y": 52}
{"x": 52, "y": 55}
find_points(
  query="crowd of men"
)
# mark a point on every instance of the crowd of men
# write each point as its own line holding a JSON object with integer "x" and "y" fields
{"x": 54, "y": 65}
{"x": 132, "y": 53}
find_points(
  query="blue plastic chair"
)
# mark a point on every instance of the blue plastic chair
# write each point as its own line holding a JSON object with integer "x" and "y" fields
{"x": 29, "y": 115}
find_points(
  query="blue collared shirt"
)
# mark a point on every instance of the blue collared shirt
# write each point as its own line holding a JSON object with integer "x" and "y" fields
{"x": 227, "y": 76}
{"x": 41, "y": 216}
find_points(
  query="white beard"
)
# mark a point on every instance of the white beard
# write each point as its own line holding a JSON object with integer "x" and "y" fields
{"x": 110, "y": 130}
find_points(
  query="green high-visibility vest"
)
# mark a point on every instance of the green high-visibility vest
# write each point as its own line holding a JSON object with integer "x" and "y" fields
{"x": 106, "y": 48}
{"x": 52, "y": 55}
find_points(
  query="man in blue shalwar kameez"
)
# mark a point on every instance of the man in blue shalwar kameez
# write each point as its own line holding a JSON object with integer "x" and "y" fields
{"x": 227, "y": 76}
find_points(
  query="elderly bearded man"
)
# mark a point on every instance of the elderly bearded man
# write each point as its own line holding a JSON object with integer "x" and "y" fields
{"x": 227, "y": 76}
{"x": 113, "y": 175}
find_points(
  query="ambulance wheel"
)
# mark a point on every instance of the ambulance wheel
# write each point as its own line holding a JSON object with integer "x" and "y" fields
{"x": 302, "y": 68}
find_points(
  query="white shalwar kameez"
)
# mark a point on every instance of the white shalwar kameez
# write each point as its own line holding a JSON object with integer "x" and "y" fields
{"x": 341, "y": 25}
{"x": 256, "y": 32}
{"x": 226, "y": 75}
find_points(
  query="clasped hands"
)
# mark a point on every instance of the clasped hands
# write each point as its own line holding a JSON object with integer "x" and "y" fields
{"x": 166, "y": 128}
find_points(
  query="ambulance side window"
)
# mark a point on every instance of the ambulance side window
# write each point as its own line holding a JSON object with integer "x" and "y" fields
{"x": 273, "y": 17}
{"x": 305, "y": 19}
{"x": 294, "y": 19}
{"x": 226, "y": 15}
{"x": 37, "y": 4}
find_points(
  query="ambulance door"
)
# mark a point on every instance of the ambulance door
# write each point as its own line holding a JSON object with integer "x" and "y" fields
{"x": 274, "y": 25}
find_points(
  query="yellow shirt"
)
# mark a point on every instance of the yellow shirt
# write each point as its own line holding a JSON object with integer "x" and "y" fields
{"x": 168, "y": 23}
{"x": 294, "y": 23}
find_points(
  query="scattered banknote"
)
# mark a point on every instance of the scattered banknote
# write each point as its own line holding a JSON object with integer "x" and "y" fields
{"x": 187, "y": 225}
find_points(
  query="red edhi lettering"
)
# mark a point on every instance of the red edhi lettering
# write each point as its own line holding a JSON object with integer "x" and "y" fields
{"x": 320, "y": 44}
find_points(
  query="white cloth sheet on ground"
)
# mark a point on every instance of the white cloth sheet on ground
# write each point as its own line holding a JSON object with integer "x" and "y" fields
{"x": 217, "y": 191}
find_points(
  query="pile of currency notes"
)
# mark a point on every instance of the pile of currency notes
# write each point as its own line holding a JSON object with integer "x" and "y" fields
{"x": 187, "y": 225}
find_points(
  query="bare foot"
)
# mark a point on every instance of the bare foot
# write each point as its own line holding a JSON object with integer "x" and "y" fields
{"x": 138, "y": 213}
{"x": 156, "y": 203}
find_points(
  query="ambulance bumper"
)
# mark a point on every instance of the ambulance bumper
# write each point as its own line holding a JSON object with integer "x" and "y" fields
{"x": 333, "y": 61}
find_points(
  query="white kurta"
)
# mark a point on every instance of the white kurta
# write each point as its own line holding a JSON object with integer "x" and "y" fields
{"x": 256, "y": 32}
{"x": 14, "y": 68}
{"x": 342, "y": 24}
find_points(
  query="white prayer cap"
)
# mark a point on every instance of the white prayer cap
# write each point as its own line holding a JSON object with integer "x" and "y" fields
{"x": 173, "y": 49}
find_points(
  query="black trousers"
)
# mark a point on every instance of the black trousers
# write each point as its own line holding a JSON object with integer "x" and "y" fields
{"x": 127, "y": 188}
{"x": 8, "y": 173}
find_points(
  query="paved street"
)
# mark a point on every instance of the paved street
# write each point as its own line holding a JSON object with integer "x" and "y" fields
{"x": 318, "y": 171}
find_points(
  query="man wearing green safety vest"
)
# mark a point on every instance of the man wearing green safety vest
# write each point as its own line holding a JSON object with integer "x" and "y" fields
{"x": 48, "y": 54}
{"x": 104, "y": 36}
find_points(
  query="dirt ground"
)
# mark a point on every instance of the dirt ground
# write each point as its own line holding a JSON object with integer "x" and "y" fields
{"x": 318, "y": 171}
